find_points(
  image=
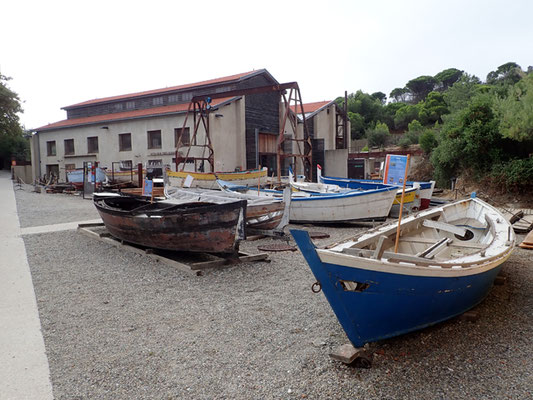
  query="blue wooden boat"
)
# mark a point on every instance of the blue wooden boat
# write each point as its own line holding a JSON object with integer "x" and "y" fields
{"x": 425, "y": 189}
{"x": 445, "y": 263}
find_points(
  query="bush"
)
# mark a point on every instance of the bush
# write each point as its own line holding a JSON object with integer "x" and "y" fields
{"x": 378, "y": 136}
{"x": 404, "y": 142}
{"x": 515, "y": 175}
{"x": 428, "y": 141}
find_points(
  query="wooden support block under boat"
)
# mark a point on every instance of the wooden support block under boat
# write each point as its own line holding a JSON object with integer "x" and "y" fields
{"x": 349, "y": 354}
{"x": 471, "y": 316}
{"x": 195, "y": 268}
{"x": 242, "y": 257}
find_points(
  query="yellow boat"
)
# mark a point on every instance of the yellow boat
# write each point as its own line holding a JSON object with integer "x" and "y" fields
{"x": 207, "y": 180}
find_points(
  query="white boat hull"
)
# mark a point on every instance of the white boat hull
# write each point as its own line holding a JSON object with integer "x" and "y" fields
{"x": 340, "y": 208}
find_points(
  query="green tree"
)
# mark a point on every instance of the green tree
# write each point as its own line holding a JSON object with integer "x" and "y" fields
{"x": 432, "y": 108}
{"x": 469, "y": 140}
{"x": 388, "y": 112}
{"x": 404, "y": 115}
{"x": 428, "y": 141}
{"x": 382, "y": 97}
{"x": 357, "y": 125}
{"x": 400, "y": 95}
{"x": 458, "y": 96}
{"x": 506, "y": 74}
{"x": 12, "y": 142}
{"x": 447, "y": 78}
{"x": 420, "y": 87}
{"x": 379, "y": 135}
{"x": 516, "y": 111}
{"x": 365, "y": 105}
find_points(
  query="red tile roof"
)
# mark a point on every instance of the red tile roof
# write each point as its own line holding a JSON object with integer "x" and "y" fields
{"x": 311, "y": 107}
{"x": 168, "y": 89}
{"x": 147, "y": 112}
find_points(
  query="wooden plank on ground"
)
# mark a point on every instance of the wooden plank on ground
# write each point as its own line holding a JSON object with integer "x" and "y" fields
{"x": 90, "y": 224}
{"x": 194, "y": 268}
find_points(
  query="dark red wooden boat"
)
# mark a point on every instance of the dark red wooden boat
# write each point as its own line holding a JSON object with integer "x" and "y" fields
{"x": 194, "y": 226}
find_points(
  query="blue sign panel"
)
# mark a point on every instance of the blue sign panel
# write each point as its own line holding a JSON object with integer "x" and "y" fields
{"x": 395, "y": 170}
{"x": 147, "y": 187}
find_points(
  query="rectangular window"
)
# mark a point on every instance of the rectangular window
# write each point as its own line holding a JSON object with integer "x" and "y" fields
{"x": 92, "y": 144}
{"x": 154, "y": 139}
{"x": 157, "y": 101}
{"x": 185, "y": 138}
{"x": 130, "y": 105}
{"x": 118, "y": 107}
{"x": 126, "y": 165}
{"x": 186, "y": 96}
{"x": 173, "y": 98}
{"x": 70, "y": 167}
{"x": 69, "y": 147}
{"x": 155, "y": 163}
{"x": 124, "y": 142}
{"x": 51, "y": 148}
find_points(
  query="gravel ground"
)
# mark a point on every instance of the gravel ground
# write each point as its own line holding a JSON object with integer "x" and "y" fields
{"x": 119, "y": 325}
{"x": 37, "y": 209}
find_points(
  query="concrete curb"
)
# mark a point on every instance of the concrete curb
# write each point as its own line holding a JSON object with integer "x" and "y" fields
{"x": 24, "y": 373}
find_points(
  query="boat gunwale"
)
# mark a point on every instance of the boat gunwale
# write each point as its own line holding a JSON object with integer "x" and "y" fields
{"x": 333, "y": 254}
{"x": 203, "y": 207}
{"x": 325, "y": 196}
{"x": 424, "y": 185}
{"x": 212, "y": 176}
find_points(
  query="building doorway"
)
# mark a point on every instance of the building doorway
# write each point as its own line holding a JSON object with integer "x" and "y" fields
{"x": 52, "y": 172}
{"x": 267, "y": 152}
{"x": 356, "y": 168}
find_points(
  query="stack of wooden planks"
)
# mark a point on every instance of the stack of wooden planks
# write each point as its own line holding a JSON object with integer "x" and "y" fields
{"x": 527, "y": 243}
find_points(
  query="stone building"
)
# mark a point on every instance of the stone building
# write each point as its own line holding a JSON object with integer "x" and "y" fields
{"x": 121, "y": 131}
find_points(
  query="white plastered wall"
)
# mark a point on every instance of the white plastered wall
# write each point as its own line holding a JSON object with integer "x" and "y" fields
{"x": 227, "y": 135}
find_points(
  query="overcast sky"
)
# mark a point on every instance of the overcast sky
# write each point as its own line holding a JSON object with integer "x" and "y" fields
{"x": 64, "y": 52}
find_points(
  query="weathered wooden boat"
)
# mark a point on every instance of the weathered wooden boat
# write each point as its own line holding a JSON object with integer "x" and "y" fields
{"x": 262, "y": 213}
{"x": 446, "y": 262}
{"x": 309, "y": 207}
{"x": 411, "y": 201}
{"x": 191, "y": 226}
{"x": 207, "y": 180}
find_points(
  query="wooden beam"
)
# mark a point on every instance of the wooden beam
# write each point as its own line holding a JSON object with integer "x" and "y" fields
{"x": 443, "y": 226}
{"x": 432, "y": 250}
{"x": 417, "y": 239}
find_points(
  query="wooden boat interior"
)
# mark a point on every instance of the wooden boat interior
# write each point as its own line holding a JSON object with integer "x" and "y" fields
{"x": 438, "y": 238}
{"x": 135, "y": 205}
{"x": 217, "y": 196}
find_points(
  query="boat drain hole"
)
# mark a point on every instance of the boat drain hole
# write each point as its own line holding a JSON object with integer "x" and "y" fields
{"x": 468, "y": 235}
{"x": 353, "y": 286}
